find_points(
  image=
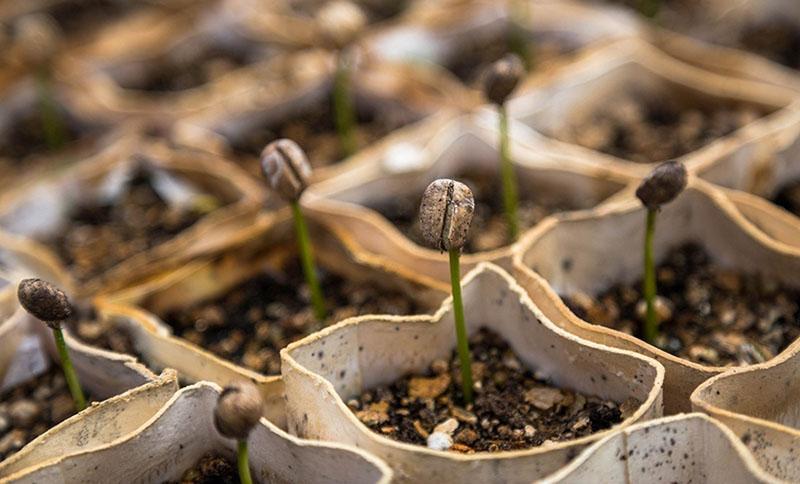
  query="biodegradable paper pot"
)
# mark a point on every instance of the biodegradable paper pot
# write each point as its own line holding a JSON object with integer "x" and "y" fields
{"x": 183, "y": 431}
{"x": 405, "y": 91}
{"x": 140, "y": 306}
{"x": 95, "y": 427}
{"x": 114, "y": 69}
{"x": 442, "y": 34}
{"x": 39, "y": 211}
{"x": 445, "y": 148}
{"x": 760, "y": 404}
{"x": 561, "y": 257}
{"x": 363, "y": 352}
{"x": 599, "y": 78}
{"x": 682, "y": 448}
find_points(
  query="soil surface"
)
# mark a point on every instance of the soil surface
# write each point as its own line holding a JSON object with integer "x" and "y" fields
{"x": 188, "y": 66}
{"x": 82, "y": 15}
{"x": 314, "y": 130}
{"x": 100, "y": 333}
{"x": 788, "y": 197}
{"x": 99, "y": 236}
{"x": 476, "y": 57}
{"x": 211, "y": 469}
{"x": 252, "y": 322}
{"x": 32, "y": 408}
{"x": 26, "y": 137}
{"x": 778, "y": 41}
{"x": 375, "y": 10}
{"x": 513, "y": 408}
{"x": 709, "y": 314}
{"x": 644, "y": 129}
{"x": 488, "y": 229}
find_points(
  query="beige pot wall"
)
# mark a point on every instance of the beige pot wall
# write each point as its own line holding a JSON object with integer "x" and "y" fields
{"x": 760, "y": 404}
{"x": 108, "y": 421}
{"x": 576, "y": 91}
{"x": 367, "y": 351}
{"x": 182, "y": 431}
{"x": 682, "y": 448}
{"x": 37, "y": 210}
{"x": 444, "y": 147}
{"x": 614, "y": 234}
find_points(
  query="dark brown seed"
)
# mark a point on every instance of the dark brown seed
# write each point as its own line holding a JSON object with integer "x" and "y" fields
{"x": 662, "y": 185}
{"x": 239, "y": 409}
{"x": 44, "y": 301}
{"x": 502, "y": 78}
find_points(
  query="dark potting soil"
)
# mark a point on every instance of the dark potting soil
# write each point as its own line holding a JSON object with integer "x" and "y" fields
{"x": 252, "y": 322}
{"x": 30, "y": 409}
{"x": 190, "y": 66}
{"x": 101, "y": 333}
{"x": 211, "y": 469}
{"x": 647, "y": 129}
{"x": 777, "y": 40}
{"x": 788, "y": 197}
{"x": 82, "y": 15}
{"x": 513, "y": 409}
{"x": 476, "y": 57}
{"x": 488, "y": 229}
{"x": 315, "y": 130}
{"x": 26, "y": 136}
{"x": 711, "y": 315}
{"x": 375, "y": 10}
{"x": 99, "y": 236}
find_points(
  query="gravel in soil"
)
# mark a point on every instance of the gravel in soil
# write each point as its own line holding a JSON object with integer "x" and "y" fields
{"x": 252, "y": 322}
{"x": 30, "y": 409}
{"x": 709, "y": 314}
{"x": 513, "y": 408}
{"x": 648, "y": 129}
{"x": 777, "y": 40}
{"x": 315, "y": 131}
{"x": 211, "y": 469}
{"x": 101, "y": 333}
{"x": 489, "y": 230}
{"x": 98, "y": 236}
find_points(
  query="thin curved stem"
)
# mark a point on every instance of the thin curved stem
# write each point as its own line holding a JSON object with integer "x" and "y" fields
{"x": 307, "y": 261}
{"x": 461, "y": 329}
{"x": 69, "y": 371}
{"x": 509, "y": 178}
{"x": 244, "y": 464}
{"x": 343, "y": 106}
{"x": 649, "y": 289}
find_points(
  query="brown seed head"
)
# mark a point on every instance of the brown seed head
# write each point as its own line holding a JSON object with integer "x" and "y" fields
{"x": 445, "y": 214}
{"x": 341, "y": 22}
{"x": 286, "y": 168}
{"x": 662, "y": 185}
{"x": 238, "y": 410}
{"x": 44, "y": 301}
{"x": 502, "y": 78}
{"x": 38, "y": 37}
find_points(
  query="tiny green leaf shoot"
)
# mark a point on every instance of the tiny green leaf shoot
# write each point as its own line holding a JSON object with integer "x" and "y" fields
{"x": 658, "y": 188}
{"x": 445, "y": 215}
{"x": 341, "y": 22}
{"x": 38, "y": 36}
{"x": 500, "y": 81}
{"x": 287, "y": 170}
{"x": 238, "y": 410}
{"x": 51, "y": 306}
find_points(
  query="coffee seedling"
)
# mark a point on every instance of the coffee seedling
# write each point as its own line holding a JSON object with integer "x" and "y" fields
{"x": 238, "y": 411}
{"x": 38, "y": 37}
{"x": 287, "y": 170}
{"x": 518, "y": 18}
{"x": 52, "y": 307}
{"x": 659, "y": 187}
{"x": 341, "y": 23}
{"x": 501, "y": 80}
{"x": 444, "y": 216}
